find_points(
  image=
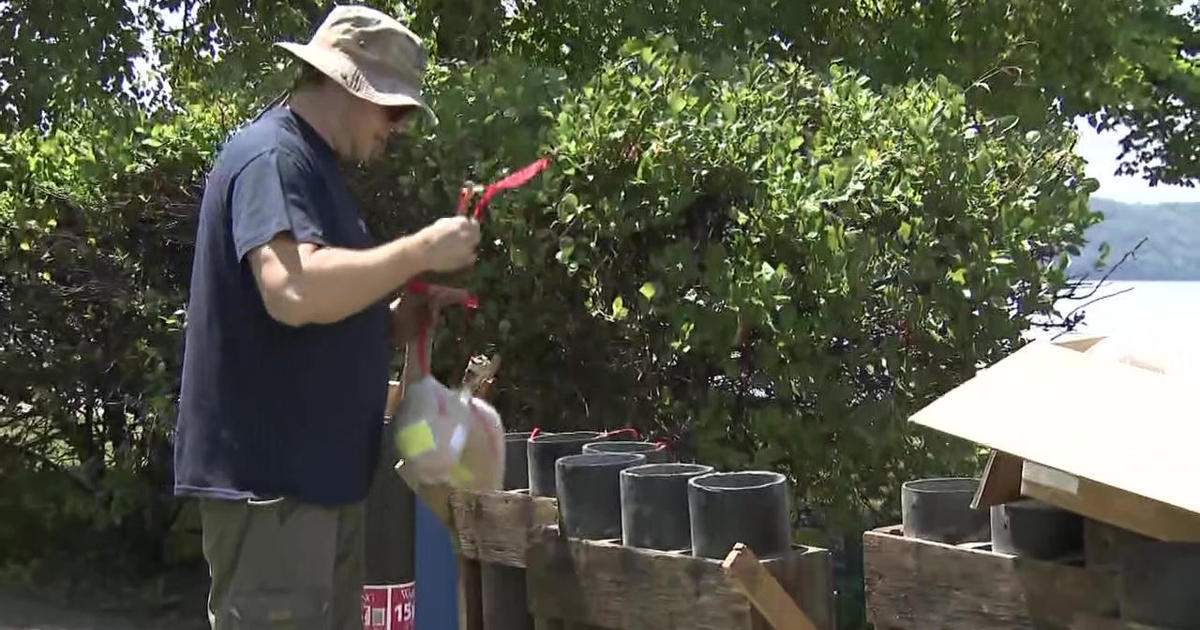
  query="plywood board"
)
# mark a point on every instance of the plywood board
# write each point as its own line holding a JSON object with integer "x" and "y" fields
{"x": 1113, "y": 424}
{"x": 1135, "y": 513}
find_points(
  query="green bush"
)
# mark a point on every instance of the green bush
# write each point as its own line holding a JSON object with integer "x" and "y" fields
{"x": 770, "y": 267}
{"x": 96, "y": 226}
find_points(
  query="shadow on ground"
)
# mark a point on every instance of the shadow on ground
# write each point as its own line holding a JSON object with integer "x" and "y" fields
{"x": 175, "y": 602}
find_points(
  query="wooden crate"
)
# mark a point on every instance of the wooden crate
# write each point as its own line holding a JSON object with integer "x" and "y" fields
{"x": 491, "y": 527}
{"x": 600, "y": 584}
{"x": 496, "y": 526}
{"x": 921, "y": 585}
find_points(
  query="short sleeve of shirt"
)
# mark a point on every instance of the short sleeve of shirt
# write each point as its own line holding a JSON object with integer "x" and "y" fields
{"x": 274, "y": 193}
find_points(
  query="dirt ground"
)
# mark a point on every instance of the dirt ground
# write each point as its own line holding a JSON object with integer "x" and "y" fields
{"x": 22, "y": 612}
{"x": 174, "y": 602}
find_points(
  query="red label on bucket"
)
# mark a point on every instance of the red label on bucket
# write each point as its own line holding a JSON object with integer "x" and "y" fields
{"x": 388, "y": 607}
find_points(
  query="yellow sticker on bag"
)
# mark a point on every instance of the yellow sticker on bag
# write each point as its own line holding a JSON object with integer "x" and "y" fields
{"x": 460, "y": 474}
{"x": 415, "y": 439}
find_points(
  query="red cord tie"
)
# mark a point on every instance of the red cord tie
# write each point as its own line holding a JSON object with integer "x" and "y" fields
{"x": 517, "y": 179}
{"x": 417, "y": 287}
{"x": 627, "y": 430}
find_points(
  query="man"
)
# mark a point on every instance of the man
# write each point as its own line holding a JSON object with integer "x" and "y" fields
{"x": 286, "y": 364}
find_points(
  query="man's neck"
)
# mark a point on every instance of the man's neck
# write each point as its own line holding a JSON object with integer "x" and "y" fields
{"x": 316, "y": 110}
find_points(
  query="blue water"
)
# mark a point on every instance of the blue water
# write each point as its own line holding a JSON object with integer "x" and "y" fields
{"x": 1137, "y": 306}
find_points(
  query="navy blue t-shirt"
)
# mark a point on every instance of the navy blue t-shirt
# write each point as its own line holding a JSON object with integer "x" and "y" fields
{"x": 270, "y": 410}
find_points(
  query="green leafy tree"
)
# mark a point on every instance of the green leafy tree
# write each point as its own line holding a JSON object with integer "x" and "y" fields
{"x": 1134, "y": 64}
{"x": 96, "y": 226}
{"x": 770, "y": 258}
{"x": 769, "y": 268}
{"x": 773, "y": 268}
{"x": 1128, "y": 63}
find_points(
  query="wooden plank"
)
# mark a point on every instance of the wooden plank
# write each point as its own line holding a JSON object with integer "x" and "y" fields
{"x": 480, "y": 374}
{"x": 470, "y": 595}
{"x": 608, "y": 585}
{"x": 1001, "y": 481}
{"x": 810, "y": 583}
{"x": 495, "y": 526}
{"x": 919, "y": 584}
{"x": 749, "y": 577}
{"x": 1095, "y": 500}
{"x": 618, "y": 587}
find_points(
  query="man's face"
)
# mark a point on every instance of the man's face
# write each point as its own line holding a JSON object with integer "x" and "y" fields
{"x": 370, "y": 125}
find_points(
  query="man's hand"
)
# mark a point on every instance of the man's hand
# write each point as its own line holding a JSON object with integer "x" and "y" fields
{"x": 410, "y": 311}
{"x": 450, "y": 243}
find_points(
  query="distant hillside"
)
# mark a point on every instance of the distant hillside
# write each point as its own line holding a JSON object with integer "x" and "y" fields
{"x": 1171, "y": 253}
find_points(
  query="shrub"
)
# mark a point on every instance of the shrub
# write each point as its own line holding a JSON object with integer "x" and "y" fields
{"x": 772, "y": 267}
{"x": 96, "y": 222}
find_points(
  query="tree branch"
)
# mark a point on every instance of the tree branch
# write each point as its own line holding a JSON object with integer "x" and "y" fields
{"x": 1128, "y": 255}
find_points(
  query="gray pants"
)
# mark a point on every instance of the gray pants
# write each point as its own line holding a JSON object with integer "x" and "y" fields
{"x": 283, "y": 565}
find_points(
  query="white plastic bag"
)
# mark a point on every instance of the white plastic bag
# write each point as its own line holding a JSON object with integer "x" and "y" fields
{"x": 447, "y": 436}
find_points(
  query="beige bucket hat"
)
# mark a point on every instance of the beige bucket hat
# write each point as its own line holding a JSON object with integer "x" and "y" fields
{"x": 370, "y": 54}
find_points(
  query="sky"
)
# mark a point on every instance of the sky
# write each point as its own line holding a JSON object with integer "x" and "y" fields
{"x": 1101, "y": 151}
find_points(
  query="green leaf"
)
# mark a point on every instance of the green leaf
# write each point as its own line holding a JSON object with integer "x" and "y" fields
{"x": 618, "y": 308}
{"x": 566, "y": 247}
{"x": 568, "y": 204}
{"x": 831, "y": 239}
{"x": 648, "y": 291}
{"x": 677, "y": 102}
{"x": 905, "y": 231}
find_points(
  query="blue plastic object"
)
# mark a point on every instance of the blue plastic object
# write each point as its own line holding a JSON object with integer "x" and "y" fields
{"x": 436, "y": 574}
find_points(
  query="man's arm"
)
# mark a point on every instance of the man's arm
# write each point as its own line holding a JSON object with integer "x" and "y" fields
{"x": 278, "y": 231}
{"x": 303, "y": 283}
